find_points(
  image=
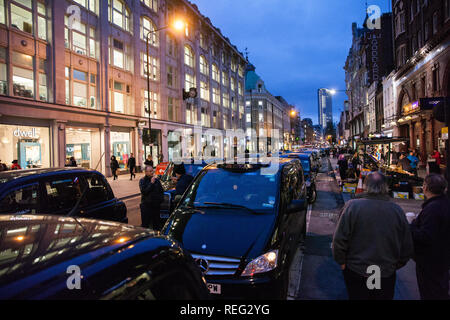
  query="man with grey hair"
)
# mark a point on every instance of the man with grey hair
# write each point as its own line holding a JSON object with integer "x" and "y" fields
{"x": 372, "y": 239}
{"x": 431, "y": 236}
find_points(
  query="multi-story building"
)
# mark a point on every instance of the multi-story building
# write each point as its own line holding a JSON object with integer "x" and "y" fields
{"x": 389, "y": 100}
{"x": 308, "y": 130}
{"x": 325, "y": 107}
{"x": 74, "y": 81}
{"x": 422, "y": 47}
{"x": 265, "y": 114}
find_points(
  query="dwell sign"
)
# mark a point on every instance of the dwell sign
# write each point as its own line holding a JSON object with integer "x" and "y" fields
{"x": 29, "y": 133}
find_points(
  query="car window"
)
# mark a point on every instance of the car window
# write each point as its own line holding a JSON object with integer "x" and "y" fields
{"x": 98, "y": 190}
{"x": 63, "y": 193}
{"x": 23, "y": 200}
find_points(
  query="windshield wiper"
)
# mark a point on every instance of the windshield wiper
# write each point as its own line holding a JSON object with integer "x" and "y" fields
{"x": 227, "y": 205}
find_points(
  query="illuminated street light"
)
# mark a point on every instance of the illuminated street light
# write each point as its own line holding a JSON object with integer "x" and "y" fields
{"x": 293, "y": 113}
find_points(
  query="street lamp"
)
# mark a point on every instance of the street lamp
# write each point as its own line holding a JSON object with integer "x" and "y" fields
{"x": 178, "y": 25}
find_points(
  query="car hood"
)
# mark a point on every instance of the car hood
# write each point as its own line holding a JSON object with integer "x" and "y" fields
{"x": 223, "y": 232}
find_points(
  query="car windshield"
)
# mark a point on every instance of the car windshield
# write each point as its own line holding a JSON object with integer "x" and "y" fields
{"x": 219, "y": 187}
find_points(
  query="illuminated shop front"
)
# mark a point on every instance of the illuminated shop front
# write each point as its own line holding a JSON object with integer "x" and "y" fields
{"x": 84, "y": 145}
{"x": 30, "y": 145}
{"x": 121, "y": 147}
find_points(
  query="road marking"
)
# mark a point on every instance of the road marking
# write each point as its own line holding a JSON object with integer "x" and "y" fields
{"x": 308, "y": 217}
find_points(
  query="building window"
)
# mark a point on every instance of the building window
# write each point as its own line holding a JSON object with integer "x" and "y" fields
{"x": 225, "y": 121}
{"x": 119, "y": 55}
{"x": 191, "y": 114}
{"x": 42, "y": 21}
{"x": 226, "y": 100}
{"x": 152, "y": 4}
{"x": 23, "y": 76}
{"x": 233, "y": 65}
{"x": 154, "y": 104}
{"x": 189, "y": 57}
{"x": 240, "y": 88}
{"x": 153, "y": 67}
{"x": 426, "y": 32}
{"x": 22, "y": 15}
{"x": 171, "y": 76}
{"x": 171, "y": 46}
{"x": 78, "y": 39}
{"x": 204, "y": 91}
{"x": 205, "y": 118}
{"x": 204, "y": 68}
{"x": 2, "y": 12}
{"x": 435, "y": 79}
{"x": 216, "y": 95}
{"x": 435, "y": 23}
{"x": 3, "y": 79}
{"x": 241, "y": 71}
{"x": 215, "y": 73}
{"x": 233, "y": 84}
{"x": 90, "y": 5}
{"x": 84, "y": 89}
{"x": 189, "y": 82}
{"x": 148, "y": 28}
{"x": 170, "y": 109}
{"x": 119, "y": 14}
{"x": 203, "y": 42}
{"x": 225, "y": 79}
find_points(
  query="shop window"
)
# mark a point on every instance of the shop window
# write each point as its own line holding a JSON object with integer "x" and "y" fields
{"x": 22, "y": 15}
{"x": 24, "y": 200}
{"x": 120, "y": 147}
{"x": 153, "y": 67}
{"x": 148, "y": 29}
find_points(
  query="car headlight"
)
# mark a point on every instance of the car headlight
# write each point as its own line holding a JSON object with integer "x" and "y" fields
{"x": 263, "y": 263}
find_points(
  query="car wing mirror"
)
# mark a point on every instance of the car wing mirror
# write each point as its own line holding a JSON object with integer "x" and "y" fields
{"x": 296, "y": 206}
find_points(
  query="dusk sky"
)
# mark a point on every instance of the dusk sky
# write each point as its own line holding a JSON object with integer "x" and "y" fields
{"x": 297, "y": 46}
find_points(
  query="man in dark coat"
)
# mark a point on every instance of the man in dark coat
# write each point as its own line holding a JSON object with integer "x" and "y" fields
{"x": 431, "y": 236}
{"x": 183, "y": 179}
{"x": 132, "y": 166}
{"x": 405, "y": 163}
{"x": 372, "y": 233}
{"x": 152, "y": 196}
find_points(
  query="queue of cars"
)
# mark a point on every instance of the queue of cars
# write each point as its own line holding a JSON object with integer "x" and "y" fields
{"x": 238, "y": 223}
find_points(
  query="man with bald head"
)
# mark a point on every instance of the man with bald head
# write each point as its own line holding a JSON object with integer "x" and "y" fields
{"x": 372, "y": 239}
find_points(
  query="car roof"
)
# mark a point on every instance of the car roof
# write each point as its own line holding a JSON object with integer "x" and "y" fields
{"x": 282, "y": 161}
{"x": 47, "y": 243}
{"x": 300, "y": 155}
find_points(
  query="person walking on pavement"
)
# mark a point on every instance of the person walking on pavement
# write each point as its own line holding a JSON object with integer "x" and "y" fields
{"x": 372, "y": 232}
{"x": 152, "y": 195}
{"x": 431, "y": 236}
{"x": 435, "y": 162}
{"x": 132, "y": 166}
{"x": 114, "y": 167}
{"x": 183, "y": 180}
{"x": 343, "y": 166}
{"x": 149, "y": 161}
{"x": 355, "y": 164}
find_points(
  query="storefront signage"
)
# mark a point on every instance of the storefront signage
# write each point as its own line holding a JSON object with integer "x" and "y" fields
{"x": 411, "y": 107}
{"x": 26, "y": 133}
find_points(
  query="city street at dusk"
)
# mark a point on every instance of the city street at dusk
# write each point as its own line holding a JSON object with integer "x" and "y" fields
{"x": 224, "y": 158}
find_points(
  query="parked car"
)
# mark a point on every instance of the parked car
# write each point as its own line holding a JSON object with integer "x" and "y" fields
{"x": 51, "y": 257}
{"x": 316, "y": 164}
{"x": 57, "y": 191}
{"x": 310, "y": 176}
{"x": 243, "y": 224}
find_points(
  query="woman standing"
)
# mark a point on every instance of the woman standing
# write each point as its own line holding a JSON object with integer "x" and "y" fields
{"x": 114, "y": 167}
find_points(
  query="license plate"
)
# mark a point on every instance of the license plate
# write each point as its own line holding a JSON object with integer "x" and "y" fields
{"x": 214, "y": 288}
{"x": 164, "y": 216}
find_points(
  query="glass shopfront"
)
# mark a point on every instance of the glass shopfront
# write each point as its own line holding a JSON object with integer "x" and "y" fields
{"x": 84, "y": 145}
{"x": 30, "y": 146}
{"x": 121, "y": 147}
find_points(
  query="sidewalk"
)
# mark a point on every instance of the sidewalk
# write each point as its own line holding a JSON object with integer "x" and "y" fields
{"x": 123, "y": 187}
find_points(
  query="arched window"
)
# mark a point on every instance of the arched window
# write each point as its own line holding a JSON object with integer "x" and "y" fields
{"x": 189, "y": 56}
{"x": 119, "y": 14}
{"x": 152, "y": 4}
{"x": 204, "y": 68}
{"x": 215, "y": 73}
{"x": 147, "y": 26}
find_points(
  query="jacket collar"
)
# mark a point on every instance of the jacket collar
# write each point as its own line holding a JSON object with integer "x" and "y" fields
{"x": 371, "y": 196}
{"x": 441, "y": 197}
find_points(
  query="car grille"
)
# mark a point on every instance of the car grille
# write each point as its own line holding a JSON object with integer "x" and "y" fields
{"x": 214, "y": 265}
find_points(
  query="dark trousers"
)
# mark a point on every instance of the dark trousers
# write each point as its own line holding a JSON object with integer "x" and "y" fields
{"x": 150, "y": 215}
{"x": 357, "y": 287}
{"x": 433, "y": 284}
{"x": 132, "y": 170}
{"x": 114, "y": 172}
